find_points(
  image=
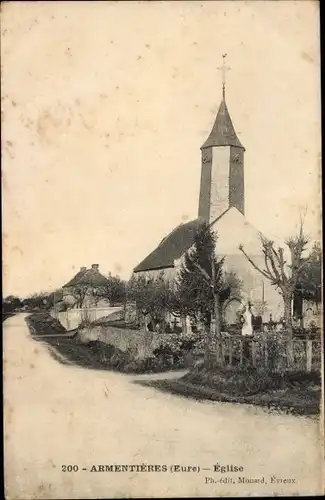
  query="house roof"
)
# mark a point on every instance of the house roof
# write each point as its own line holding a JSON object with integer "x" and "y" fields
{"x": 94, "y": 278}
{"x": 75, "y": 279}
{"x": 171, "y": 247}
{"x": 223, "y": 132}
{"x": 90, "y": 277}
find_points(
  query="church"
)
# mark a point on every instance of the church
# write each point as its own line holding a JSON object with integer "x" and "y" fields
{"x": 222, "y": 206}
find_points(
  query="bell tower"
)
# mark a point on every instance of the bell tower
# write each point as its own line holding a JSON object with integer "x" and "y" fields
{"x": 222, "y": 165}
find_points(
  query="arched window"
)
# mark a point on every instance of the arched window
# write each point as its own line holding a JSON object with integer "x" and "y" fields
{"x": 230, "y": 310}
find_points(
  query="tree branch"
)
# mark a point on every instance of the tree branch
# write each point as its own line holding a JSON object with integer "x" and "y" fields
{"x": 271, "y": 277}
{"x": 304, "y": 264}
{"x": 281, "y": 264}
{"x": 273, "y": 264}
{"x": 203, "y": 271}
{"x": 264, "y": 273}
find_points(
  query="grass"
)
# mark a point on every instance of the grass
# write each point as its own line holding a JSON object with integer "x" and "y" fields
{"x": 96, "y": 355}
{"x": 43, "y": 324}
{"x": 248, "y": 381}
{"x": 92, "y": 355}
{"x": 298, "y": 393}
{"x": 7, "y": 315}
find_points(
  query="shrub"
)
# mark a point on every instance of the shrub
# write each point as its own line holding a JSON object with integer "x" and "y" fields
{"x": 44, "y": 324}
{"x": 85, "y": 323}
{"x": 248, "y": 381}
{"x": 108, "y": 354}
{"x": 119, "y": 323}
{"x": 147, "y": 365}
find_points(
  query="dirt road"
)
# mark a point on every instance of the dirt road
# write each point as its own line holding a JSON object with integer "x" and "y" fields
{"x": 58, "y": 415}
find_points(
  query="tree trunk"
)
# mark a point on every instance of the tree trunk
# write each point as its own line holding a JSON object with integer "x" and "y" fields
{"x": 213, "y": 333}
{"x": 183, "y": 320}
{"x": 207, "y": 363}
{"x": 287, "y": 299}
{"x": 217, "y": 314}
{"x": 214, "y": 330}
{"x": 217, "y": 333}
{"x": 216, "y": 300}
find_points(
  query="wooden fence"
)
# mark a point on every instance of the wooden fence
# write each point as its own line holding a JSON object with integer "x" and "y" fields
{"x": 266, "y": 354}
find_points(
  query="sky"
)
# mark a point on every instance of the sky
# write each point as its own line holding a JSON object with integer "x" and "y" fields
{"x": 105, "y": 106}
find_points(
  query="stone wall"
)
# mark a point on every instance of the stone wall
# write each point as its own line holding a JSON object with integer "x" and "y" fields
{"x": 140, "y": 343}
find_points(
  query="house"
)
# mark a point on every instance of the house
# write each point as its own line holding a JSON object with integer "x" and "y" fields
{"x": 85, "y": 288}
{"x": 222, "y": 206}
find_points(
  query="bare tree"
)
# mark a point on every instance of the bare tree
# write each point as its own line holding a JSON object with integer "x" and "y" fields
{"x": 282, "y": 275}
{"x": 310, "y": 279}
{"x": 154, "y": 297}
{"x": 79, "y": 292}
{"x": 114, "y": 291}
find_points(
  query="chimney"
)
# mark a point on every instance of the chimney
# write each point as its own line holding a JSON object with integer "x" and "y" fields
{"x": 95, "y": 266}
{"x": 83, "y": 269}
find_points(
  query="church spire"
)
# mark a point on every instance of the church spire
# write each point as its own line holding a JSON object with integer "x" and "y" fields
{"x": 224, "y": 70}
{"x": 223, "y": 132}
{"x": 222, "y": 168}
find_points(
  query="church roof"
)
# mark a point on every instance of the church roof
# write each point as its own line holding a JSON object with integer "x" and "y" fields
{"x": 178, "y": 241}
{"x": 171, "y": 247}
{"x": 223, "y": 132}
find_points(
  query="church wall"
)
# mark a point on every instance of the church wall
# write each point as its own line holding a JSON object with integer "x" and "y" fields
{"x": 205, "y": 187}
{"x": 236, "y": 179}
{"x": 167, "y": 273}
{"x": 255, "y": 287}
{"x": 219, "y": 198}
{"x": 232, "y": 230}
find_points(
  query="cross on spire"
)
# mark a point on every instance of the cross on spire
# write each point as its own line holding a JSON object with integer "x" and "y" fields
{"x": 224, "y": 70}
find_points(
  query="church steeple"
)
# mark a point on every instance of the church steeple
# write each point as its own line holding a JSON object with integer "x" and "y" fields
{"x": 223, "y": 132}
{"x": 222, "y": 171}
